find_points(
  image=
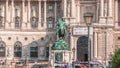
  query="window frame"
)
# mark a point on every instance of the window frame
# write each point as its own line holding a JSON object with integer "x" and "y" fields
{"x": 18, "y": 49}
{"x": 3, "y": 47}
{"x": 34, "y": 51}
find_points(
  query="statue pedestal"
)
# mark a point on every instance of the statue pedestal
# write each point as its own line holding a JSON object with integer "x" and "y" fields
{"x": 60, "y": 58}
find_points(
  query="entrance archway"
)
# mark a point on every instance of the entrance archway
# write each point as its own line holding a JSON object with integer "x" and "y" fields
{"x": 82, "y": 48}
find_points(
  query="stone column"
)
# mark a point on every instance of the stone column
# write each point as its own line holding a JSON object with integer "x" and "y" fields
{"x": 33, "y": 11}
{"x": 23, "y": 19}
{"x": 110, "y": 7}
{"x": 9, "y": 55}
{"x": 72, "y": 45}
{"x": 73, "y": 8}
{"x": 29, "y": 15}
{"x": 23, "y": 4}
{"x": 78, "y": 11}
{"x": 55, "y": 9}
{"x": 99, "y": 46}
{"x": 6, "y": 16}
{"x": 97, "y": 10}
{"x": 102, "y": 8}
{"x": 95, "y": 44}
{"x": 116, "y": 13}
{"x": 6, "y": 10}
{"x": 106, "y": 47}
{"x": 12, "y": 14}
{"x": 64, "y": 4}
{"x": 45, "y": 14}
{"x": 39, "y": 23}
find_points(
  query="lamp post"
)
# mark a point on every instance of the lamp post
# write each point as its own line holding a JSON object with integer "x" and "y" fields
{"x": 50, "y": 45}
{"x": 88, "y": 20}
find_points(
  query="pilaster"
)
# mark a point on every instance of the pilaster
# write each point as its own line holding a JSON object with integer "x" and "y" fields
{"x": 102, "y": 8}
{"x": 55, "y": 10}
{"x": 73, "y": 8}
{"x": 116, "y": 13}
{"x": 101, "y": 44}
{"x": 64, "y": 4}
{"x": 12, "y": 15}
{"x": 6, "y": 15}
{"x": 110, "y": 8}
{"x": 78, "y": 12}
{"x": 45, "y": 13}
{"x": 109, "y": 42}
{"x": 39, "y": 23}
{"x": 95, "y": 44}
{"x": 29, "y": 15}
{"x": 23, "y": 15}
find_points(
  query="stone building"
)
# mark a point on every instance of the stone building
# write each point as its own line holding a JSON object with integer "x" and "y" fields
{"x": 27, "y": 27}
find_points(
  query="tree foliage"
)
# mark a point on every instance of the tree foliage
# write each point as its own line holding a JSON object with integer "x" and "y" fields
{"x": 116, "y": 59}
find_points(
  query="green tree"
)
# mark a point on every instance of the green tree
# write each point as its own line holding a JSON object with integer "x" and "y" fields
{"x": 116, "y": 59}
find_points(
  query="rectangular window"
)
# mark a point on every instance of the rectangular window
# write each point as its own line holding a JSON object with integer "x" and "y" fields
{"x": 33, "y": 51}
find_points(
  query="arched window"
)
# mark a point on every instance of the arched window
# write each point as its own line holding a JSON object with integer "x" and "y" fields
{"x": 18, "y": 49}
{"x": 2, "y": 49}
{"x": 34, "y": 49}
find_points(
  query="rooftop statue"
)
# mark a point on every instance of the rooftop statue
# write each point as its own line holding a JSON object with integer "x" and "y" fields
{"x": 61, "y": 44}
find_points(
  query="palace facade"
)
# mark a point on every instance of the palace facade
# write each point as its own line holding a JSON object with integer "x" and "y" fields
{"x": 27, "y": 27}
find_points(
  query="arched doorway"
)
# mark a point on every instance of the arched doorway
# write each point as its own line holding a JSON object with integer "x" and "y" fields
{"x": 82, "y": 48}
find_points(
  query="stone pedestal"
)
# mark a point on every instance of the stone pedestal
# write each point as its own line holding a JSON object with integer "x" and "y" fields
{"x": 66, "y": 58}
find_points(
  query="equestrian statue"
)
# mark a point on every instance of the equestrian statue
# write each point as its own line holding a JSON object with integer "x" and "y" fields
{"x": 61, "y": 44}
